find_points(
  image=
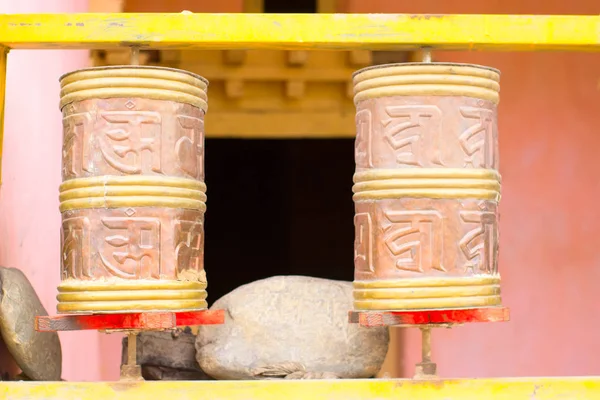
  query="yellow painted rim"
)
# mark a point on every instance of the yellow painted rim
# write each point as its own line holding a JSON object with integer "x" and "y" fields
{"x": 437, "y": 193}
{"x": 114, "y": 284}
{"x": 426, "y": 304}
{"x": 156, "y": 83}
{"x": 427, "y": 79}
{"x": 411, "y": 68}
{"x": 427, "y": 293}
{"x": 133, "y": 201}
{"x": 490, "y": 184}
{"x": 118, "y": 307}
{"x": 117, "y": 296}
{"x": 136, "y": 180}
{"x": 108, "y": 191}
{"x": 476, "y": 280}
{"x": 112, "y": 295}
{"x": 132, "y": 191}
{"x": 139, "y": 83}
{"x": 433, "y": 183}
{"x": 426, "y": 173}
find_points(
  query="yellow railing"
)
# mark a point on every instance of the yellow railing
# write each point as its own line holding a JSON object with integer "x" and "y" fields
{"x": 302, "y": 31}
{"x": 356, "y": 389}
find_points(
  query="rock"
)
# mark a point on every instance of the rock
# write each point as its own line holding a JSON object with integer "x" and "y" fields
{"x": 290, "y": 326}
{"x": 38, "y": 354}
{"x": 153, "y": 373}
{"x": 167, "y": 355}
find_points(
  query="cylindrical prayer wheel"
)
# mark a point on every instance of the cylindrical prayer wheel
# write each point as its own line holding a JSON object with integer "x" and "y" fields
{"x": 426, "y": 187}
{"x": 133, "y": 193}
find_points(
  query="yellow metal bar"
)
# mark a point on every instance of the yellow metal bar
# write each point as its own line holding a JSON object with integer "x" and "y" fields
{"x": 3, "y": 62}
{"x": 302, "y": 31}
{"x": 476, "y": 389}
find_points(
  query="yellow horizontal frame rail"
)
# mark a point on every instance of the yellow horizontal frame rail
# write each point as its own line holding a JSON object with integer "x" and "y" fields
{"x": 467, "y": 389}
{"x": 301, "y": 31}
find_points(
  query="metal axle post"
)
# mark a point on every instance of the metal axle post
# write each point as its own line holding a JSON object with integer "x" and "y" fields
{"x": 135, "y": 55}
{"x": 131, "y": 371}
{"x": 426, "y": 369}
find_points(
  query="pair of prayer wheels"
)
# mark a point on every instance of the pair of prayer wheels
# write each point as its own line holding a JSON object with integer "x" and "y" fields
{"x": 133, "y": 195}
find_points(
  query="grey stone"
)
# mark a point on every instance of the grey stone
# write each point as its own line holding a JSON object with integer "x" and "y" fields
{"x": 293, "y": 327}
{"x": 38, "y": 354}
{"x": 154, "y": 373}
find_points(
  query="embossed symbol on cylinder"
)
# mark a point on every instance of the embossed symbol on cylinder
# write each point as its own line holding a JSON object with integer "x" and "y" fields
{"x": 133, "y": 196}
{"x": 427, "y": 182}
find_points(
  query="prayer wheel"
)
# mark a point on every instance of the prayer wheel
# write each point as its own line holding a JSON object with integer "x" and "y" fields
{"x": 426, "y": 187}
{"x": 133, "y": 194}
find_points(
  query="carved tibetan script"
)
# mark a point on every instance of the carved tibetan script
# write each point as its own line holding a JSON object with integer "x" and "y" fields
{"x": 131, "y": 247}
{"x": 363, "y": 243}
{"x": 415, "y": 239}
{"x": 189, "y": 146}
{"x": 76, "y": 128}
{"x": 478, "y": 141}
{"x": 478, "y": 245}
{"x": 363, "y": 152}
{"x": 189, "y": 248}
{"x": 127, "y": 136}
{"x": 75, "y": 242}
{"x": 414, "y": 133}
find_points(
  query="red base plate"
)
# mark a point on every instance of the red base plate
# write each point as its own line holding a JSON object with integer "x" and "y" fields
{"x": 141, "y": 321}
{"x": 429, "y": 317}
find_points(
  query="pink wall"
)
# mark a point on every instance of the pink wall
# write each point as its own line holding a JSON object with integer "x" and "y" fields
{"x": 29, "y": 216}
{"x": 550, "y": 220}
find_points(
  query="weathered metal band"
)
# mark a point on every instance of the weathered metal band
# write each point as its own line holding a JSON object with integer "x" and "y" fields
{"x": 134, "y": 81}
{"x": 111, "y": 295}
{"x": 114, "y": 296}
{"x": 442, "y": 281}
{"x": 132, "y": 191}
{"x": 73, "y": 285}
{"x": 142, "y": 295}
{"x": 428, "y": 303}
{"x": 422, "y": 79}
{"x": 132, "y": 201}
{"x": 487, "y": 184}
{"x": 426, "y": 173}
{"x": 426, "y": 292}
{"x": 133, "y": 180}
{"x": 430, "y": 183}
{"x": 423, "y": 293}
{"x": 379, "y": 192}
{"x": 130, "y": 306}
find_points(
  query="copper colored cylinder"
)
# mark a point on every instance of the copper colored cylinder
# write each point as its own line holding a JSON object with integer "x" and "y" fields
{"x": 133, "y": 193}
{"x": 426, "y": 187}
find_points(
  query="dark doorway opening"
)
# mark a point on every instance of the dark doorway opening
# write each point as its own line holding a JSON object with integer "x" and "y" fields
{"x": 278, "y": 207}
{"x": 290, "y": 6}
